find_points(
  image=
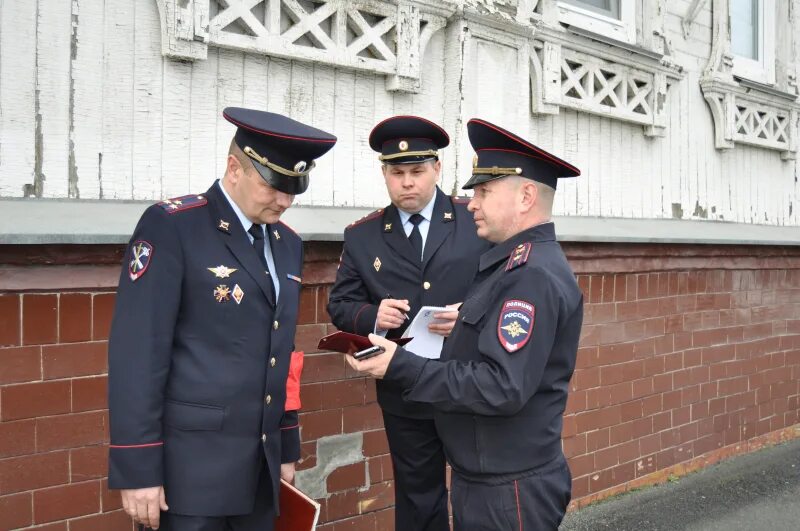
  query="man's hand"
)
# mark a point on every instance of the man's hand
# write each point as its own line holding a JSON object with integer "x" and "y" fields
{"x": 377, "y": 365}
{"x": 448, "y": 319}
{"x": 287, "y": 472}
{"x": 392, "y": 314}
{"x": 145, "y": 505}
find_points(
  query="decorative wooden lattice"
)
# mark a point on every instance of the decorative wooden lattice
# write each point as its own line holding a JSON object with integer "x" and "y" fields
{"x": 762, "y": 126}
{"x": 605, "y": 88}
{"x": 373, "y": 35}
{"x": 632, "y": 91}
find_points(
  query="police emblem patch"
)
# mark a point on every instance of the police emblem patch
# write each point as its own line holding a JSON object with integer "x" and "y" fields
{"x": 515, "y": 325}
{"x": 141, "y": 253}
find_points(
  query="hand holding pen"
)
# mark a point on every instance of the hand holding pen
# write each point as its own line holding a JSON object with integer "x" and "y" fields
{"x": 392, "y": 313}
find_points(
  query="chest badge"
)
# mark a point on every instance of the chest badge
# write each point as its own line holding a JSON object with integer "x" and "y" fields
{"x": 448, "y": 216}
{"x": 515, "y": 325}
{"x": 377, "y": 264}
{"x": 237, "y": 294}
{"x": 277, "y": 234}
{"x": 222, "y": 271}
{"x": 222, "y": 293}
{"x": 224, "y": 225}
{"x": 387, "y": 227}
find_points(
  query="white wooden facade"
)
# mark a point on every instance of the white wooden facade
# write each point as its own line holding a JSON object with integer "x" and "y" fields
{"x": 122, "y": 99}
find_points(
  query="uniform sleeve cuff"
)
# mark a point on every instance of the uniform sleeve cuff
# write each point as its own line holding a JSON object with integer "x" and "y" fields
{"x": 290, "y": 444}
{"x": 136, "y": 466}
{"x": 404, "y": 369}
{"x": 364, "y": 320}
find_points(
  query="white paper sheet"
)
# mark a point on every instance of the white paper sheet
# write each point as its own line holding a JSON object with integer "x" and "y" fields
{"x": 425, "y": 343}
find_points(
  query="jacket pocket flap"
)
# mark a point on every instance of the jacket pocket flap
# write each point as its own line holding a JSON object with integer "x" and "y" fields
{"x": 187, "y": 416}
{"x": 472, "y": 312}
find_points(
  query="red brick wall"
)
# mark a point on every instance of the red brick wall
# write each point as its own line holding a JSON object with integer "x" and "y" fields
{"x": 689, "y": 354}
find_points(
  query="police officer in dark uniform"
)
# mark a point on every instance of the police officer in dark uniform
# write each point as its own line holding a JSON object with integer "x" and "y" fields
{"x": 421, "y": 250}
{"x": 501, "y": 385}
{"x": 202, "y": 340}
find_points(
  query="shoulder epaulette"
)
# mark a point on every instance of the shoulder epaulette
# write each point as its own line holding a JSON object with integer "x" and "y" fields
{"x": 184, "y": 202}
{"x": 289, "y": 228}
{"x": 519, "y": 256}
{"x": 461, "y": 200}
{"x": 366, "y": 218}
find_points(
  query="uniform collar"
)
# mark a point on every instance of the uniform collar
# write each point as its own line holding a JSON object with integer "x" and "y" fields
{"x": 544, "y": 232}
{"x": 236, "y": 210}
{"x": 426, "y": 212}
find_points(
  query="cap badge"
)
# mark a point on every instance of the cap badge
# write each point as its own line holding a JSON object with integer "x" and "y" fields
{"x": 475, "y": 161}
{"x": 222, "y": 293}
{"x": 300, "y": 166}
{"x": 403, "y": 145}
{"x": 377, "y": 264}
{"x": 222, "y": 271}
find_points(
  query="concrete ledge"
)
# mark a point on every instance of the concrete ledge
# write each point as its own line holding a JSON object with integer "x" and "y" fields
{"x": 59, "y": 221}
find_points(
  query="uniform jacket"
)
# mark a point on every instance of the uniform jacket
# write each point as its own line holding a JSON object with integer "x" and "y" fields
{"x": 378, "y": 262}
{"x": 500, "y": 394}
{"x": 199, "y": 356}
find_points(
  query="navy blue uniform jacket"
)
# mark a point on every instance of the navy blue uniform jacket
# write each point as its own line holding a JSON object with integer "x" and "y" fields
{"x": 378, "y": 261}
{"x": 197, "y": 380}
{"x": 500, "y": 388}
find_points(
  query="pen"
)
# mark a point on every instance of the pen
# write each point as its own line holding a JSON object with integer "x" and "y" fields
{"x": 389, "y": 296}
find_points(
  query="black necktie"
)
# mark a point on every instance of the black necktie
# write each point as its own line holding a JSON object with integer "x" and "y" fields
{"x": 415, "y": 237}
{"x": 258, "y": 244}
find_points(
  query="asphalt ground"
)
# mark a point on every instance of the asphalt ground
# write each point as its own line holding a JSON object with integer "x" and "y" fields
{"x": 753, "y": 492}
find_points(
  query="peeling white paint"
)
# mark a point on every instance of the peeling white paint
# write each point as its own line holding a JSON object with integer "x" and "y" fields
{"x": 141, "y": 126}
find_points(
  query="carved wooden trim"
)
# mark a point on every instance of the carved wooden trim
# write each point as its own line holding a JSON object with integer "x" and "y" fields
{"x": 746, "y": 112}
{"x": 596, "y": 75}
{"x": 382, "y": 36}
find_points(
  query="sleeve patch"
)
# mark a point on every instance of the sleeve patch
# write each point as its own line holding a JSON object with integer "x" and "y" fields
{"x": 515, "y": 325}
{"x": 140, "y": 257}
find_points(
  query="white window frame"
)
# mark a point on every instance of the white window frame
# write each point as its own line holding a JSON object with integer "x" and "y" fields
{"x": 761, "y": 70}
{"x": 623, "y": 30}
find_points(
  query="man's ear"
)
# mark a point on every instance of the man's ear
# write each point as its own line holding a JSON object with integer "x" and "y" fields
{"x": 233, "y": 169}
{"x": 529, "y": 194}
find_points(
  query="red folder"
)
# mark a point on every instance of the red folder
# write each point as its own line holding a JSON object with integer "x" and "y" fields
{"x": 298, "y": 511}
{"x": 345, "y": 342}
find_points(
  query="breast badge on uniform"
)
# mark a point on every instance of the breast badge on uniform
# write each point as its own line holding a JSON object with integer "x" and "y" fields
{"x": 222, "y": 271}
{"x": 222, "y": 293}
{"x": 237, "y": 294}
{"x": 515, "y": 325}
{"x": 377, "y": 264}
{"x": 141, "y": 253}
